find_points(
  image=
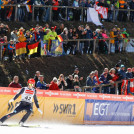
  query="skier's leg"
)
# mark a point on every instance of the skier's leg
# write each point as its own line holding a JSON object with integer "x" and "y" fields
{"x": 16, "y": 111}
{"x": 29, "y": 111}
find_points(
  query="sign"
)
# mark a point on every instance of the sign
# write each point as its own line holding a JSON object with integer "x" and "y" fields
{"x": 64, "y": 110}
{"x": 108, "y": 112}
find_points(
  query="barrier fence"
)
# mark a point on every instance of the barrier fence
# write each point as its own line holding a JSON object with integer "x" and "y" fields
{"x": 66, "y": 11}
{"x": 73, "y": 107}
{"x": 110, "y": 48}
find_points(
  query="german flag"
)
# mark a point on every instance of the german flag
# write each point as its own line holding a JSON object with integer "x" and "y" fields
{"x": 21, "y": 48}
{"x": 33, "y": 48}
{"x": 60, "y": 38}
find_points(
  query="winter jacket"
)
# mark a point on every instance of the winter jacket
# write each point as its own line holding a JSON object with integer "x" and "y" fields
{"x": 54, "y": 86}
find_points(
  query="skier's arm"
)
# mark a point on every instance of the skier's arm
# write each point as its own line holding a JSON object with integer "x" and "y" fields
{"x": 36, "y": 100}
{"x": 18, "y": 94}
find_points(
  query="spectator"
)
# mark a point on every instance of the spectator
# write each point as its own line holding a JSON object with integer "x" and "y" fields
{"x": 91, "y": 82}
{"x": 60, "y": 30}
{"x": 133, "y": 72}
{"x": 112, "y": 36}
{"x": 69, "y": 81}
{"x": 129, "y": 74}
{"x": 125, "y": 35}
{"x": 53, "y": 85}
{"x": 55, "y": 10}
{"x": 132, "y": 12}
{"x": 36, "y": 77}
{"x": 122, "y": 72}
{"x": 105, "y": 80}
{"x": 76, "y": 12}
{"x": 64, "y": 35}
{"x": 21, "y": 36}
{"x": 76, "y": 72}
{"x": 15, "y": 83}
{"x": 61, "y": 82}
{"x": 14, "y": 35}
{"x": 89, "y": 44}
{"x": 77, "y": 84}
{"x": 41, "y": 84}
{"x": 10, "y": 50}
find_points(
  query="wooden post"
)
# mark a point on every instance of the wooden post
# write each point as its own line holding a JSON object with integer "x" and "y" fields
{"x": 114, "y": 15}
{"x": 109, "y": 46}
{"x": 94, "y": 45}
{"x": 33, "y": 13}
{"x": 50, "y": 17}
{"x": 16, "y": 11}
{"x": 66, "y": 14}
{"x": 82, "y": 14}
{"x": 78, "y": 46}
{"x": 0, "y": 52}
{"x": 116, "y": 87}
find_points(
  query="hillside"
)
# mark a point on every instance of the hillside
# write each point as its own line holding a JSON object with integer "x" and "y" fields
{"x": 53, "y": 66}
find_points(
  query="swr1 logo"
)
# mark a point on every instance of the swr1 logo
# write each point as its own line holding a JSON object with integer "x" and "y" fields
{"x": 65, "y": 109}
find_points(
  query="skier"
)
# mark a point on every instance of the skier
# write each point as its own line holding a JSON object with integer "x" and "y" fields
{"x": 27, "y": 95}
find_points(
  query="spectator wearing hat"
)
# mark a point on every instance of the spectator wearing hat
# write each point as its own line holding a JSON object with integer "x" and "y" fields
{"x": 10, "y": 50}
{"x": 53, "y": 85}
{"x": 15, "y": 83}
{"x": 41, "y": 84}
{"x": 117, "y": 68}
{"x": 122, "y": 72}
{"x": 129, "y": 74}
{"x": 125, "y": 42}
{"x": 21, "y": 36}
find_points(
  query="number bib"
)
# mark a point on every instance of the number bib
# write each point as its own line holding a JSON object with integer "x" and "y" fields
{"x": 28, "y": 95}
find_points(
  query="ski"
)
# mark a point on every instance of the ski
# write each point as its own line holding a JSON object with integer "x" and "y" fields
{"x": 17, "y": 125}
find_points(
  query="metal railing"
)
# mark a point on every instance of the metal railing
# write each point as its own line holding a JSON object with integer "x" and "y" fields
{"x": 82, "y": 9}
{"x": 114, "y": 86}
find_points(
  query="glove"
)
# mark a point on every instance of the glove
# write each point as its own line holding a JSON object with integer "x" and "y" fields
{"x": 11, "y": 100}
{"x": 40, "y": 111}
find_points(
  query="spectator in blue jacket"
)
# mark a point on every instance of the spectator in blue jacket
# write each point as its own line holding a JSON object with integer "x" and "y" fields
{"x": 105, "y": 80}
{"x": 129, "y": 74}
{"x": 10, "y": 50}
{"x": 122, "y": 72}
{"x": 41, "y": 84}
{"x": 91, "y": 82}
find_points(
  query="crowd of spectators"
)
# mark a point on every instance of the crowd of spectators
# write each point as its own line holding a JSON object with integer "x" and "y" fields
{"x": 45, "y": 33}
{"x": 7, "y": 13}
{"x": 74, "y": 81}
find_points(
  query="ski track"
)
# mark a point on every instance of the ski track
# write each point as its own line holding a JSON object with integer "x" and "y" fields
{"x": 69, "y": 129}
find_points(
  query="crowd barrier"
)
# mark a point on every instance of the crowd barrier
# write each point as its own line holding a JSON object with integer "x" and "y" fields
{"x": 73, "y": 107}
{"x": 66, "y": 11}
{"x": 110, "y": 48}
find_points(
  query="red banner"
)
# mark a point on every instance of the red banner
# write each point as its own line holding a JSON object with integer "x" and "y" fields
{"x": 124, "y": 87}
{"x": 75, "y": 95}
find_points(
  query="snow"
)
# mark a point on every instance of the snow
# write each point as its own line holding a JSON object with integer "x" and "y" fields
{"x": 69, "y": 129}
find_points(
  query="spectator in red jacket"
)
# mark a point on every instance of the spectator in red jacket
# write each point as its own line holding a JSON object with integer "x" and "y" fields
{"x": 54, "y": 85}
{"x": 15, "y": 83}
{"x": 55, "y": 10}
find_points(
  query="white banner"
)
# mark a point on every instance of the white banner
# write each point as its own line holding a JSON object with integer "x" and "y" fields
{"x": 92, "y": 16}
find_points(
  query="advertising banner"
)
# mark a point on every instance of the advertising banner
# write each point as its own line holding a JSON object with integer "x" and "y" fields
{"x": 64, "y": 110}
{"x": 108, "y": 112}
